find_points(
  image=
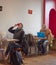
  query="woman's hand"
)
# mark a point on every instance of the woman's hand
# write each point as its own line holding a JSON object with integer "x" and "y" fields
{"x": 43, "y": 38}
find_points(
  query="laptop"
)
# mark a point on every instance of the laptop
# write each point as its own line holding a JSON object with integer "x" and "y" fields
{"x": 41, "y": 34}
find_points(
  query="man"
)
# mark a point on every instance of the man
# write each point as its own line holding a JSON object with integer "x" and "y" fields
{"x": 18, "y": 32}
{"x": 14, "y": 48}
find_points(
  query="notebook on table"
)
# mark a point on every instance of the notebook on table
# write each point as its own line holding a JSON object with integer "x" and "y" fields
{"x": 41, "y": 35}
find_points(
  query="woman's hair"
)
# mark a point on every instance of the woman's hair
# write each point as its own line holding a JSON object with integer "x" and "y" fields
{"x": 43, "y": 26}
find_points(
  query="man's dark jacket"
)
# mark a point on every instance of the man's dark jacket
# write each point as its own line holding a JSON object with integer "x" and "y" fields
{"x": 17, "y": 33}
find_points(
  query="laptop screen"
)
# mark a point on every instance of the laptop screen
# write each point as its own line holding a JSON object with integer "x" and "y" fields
{"x": 41, "y": 34}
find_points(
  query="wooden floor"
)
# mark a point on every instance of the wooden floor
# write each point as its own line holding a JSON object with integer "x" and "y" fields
{"x": 49, "y": 59}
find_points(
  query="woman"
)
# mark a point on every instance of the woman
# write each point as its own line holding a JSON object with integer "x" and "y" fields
{"x": 43, "y": 42}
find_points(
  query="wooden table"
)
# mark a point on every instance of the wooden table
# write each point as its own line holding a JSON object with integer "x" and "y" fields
{"x": 12, "y": 40}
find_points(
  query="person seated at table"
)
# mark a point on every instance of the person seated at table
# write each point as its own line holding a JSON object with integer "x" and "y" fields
{"x": 13, "y": 47}
{"x": 43, "y": 42}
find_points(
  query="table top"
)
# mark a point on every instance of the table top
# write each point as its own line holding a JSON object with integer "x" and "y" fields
{"x": 1, "y": 49}
{"x": 12, "y": 40}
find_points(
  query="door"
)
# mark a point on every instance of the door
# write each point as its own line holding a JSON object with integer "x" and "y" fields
{"x": 52, "y": 21}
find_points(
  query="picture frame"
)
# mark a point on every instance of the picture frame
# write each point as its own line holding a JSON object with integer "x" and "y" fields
{"x": 1, "y": 8}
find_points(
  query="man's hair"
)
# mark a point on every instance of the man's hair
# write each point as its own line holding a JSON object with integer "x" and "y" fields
{"x": 20, "y": 24}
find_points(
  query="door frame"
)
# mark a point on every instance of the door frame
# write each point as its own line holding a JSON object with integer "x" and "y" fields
{"x": 44, "y": 5}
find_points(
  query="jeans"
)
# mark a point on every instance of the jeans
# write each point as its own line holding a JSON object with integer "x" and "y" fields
{"x": 15, "y": 56}
{"x": 42, "y": 45}
{"x": 45, "y": 44}
{"x": 19, "y": 57}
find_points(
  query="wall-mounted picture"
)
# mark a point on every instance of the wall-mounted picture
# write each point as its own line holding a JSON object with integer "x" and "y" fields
{"x": 0, "y": 8}
{"x": 29, "y": 11}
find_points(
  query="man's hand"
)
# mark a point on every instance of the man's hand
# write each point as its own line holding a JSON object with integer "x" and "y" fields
{"x": 15, "y": 25}
{"x": 6, "y": 57}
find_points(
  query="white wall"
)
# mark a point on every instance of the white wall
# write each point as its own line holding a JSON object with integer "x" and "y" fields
{"x": 49, "y": 6}
{"x": 15, "y": 11}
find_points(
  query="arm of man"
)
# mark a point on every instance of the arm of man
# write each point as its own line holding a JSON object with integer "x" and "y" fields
{"x": 11, "y": 29}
